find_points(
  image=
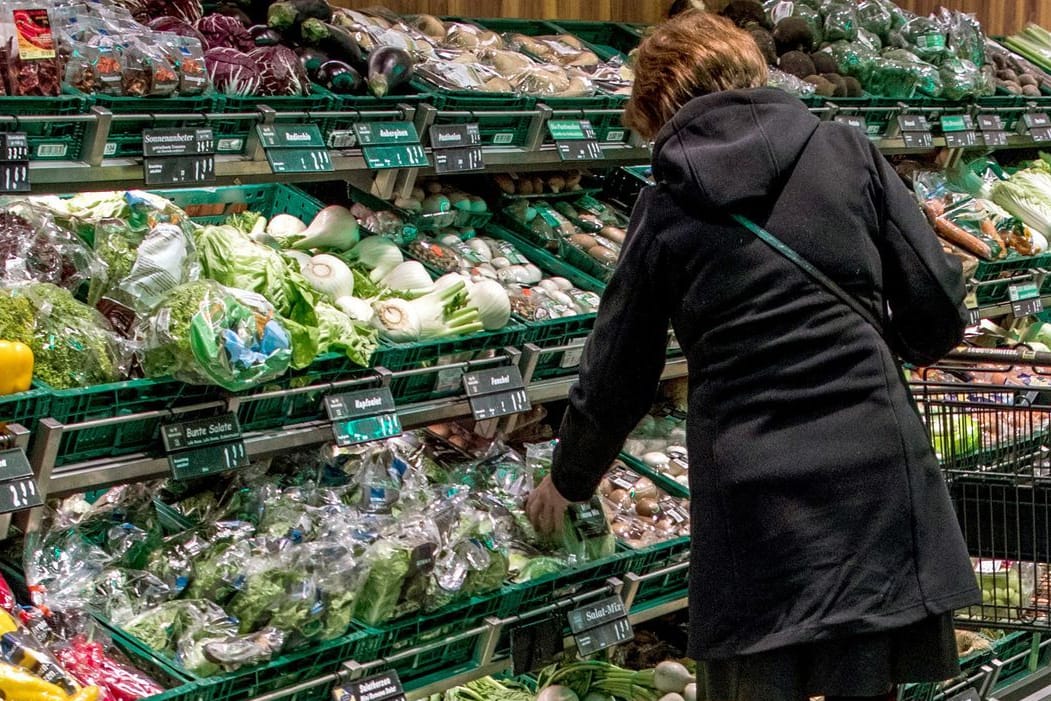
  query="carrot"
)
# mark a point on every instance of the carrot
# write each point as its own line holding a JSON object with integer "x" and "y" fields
{"x": 933, "y": 209}
{"x": 989, "y": 229}
{"x": 951, "y": 232}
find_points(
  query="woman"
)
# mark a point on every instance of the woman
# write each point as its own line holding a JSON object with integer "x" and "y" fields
{"x": 826, "y": 558}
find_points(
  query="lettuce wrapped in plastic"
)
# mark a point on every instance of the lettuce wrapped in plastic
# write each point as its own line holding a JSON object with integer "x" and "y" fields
{"x": 925, "y": 37}
{"x": 961, "y": 78}
{"x": 929, "y": 80}
{"x": 853, "y": 58}
{"x": 841, "y": 22}
{"x": 73, "y": 344}
{"x": 205, "y": 333}
{"x": 874, "y": 16}
{"x": 34, "y": 248}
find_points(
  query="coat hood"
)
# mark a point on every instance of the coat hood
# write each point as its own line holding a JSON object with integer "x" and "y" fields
{"x": 730, "y": 147}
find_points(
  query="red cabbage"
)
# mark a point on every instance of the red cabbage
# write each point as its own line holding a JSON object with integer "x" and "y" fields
{"x": 232, "y": 72}
{"x": 174, "y": 25}
{"x": 143, "y": 11}
{"x": 281, "y": 71}
{"x": 220, "y": 30}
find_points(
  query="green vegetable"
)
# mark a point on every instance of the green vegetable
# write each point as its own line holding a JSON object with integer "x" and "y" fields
{"x": 245, "y": 222}
{"x": 72, "y": 344}
{"x": 583, "y": 677}
{"x": 378, "y": 598}
{"x": 338, "y": 333}
{"x": 1027, "y": 195}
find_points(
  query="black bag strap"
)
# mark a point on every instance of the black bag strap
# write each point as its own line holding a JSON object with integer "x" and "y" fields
{"x": 824, "y": 280}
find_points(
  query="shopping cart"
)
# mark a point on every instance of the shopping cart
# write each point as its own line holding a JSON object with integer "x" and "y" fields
{"x": 989, "y": 418}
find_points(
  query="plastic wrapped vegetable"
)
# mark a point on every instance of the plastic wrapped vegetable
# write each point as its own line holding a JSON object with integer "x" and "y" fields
{"x": 853, "y": 58}
{"x": 33, "y": 248}
{"x": 73, "y": 345}
{"x": 929, "y": 80}
{"x": 87, "y": 660}
{"x": 874, "y": 16}
{"x": 841, "y": 22}
{"x": 204, "y": 333}
{"x": 925, "y": 37}
{"x": 961, "y": 78}
{"x": 895, "y": 79}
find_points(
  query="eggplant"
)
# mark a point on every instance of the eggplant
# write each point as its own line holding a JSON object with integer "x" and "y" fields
{"x": 335, "y": 41}
{"x": 340, "y": 77}
{"x": 312, "y": 59}
{"x": 232, "y": 10}
{"x": 255, "y": 9}
{"x": 287, "y": 15}
{"x": 389, "y": 68}
{"x": 263, "y": 35}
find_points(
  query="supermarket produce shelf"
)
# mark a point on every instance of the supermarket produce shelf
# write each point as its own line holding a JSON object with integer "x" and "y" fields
{"x": 77, "y": 477}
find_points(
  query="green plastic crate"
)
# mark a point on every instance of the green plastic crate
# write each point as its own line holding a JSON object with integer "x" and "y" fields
{"x": 495, "y": 126}
{"x": 24, "y": 408}
{"x": 916, "y": 692}
{"x": 877, "y": 111}
{"x": 553, "y": 332}
{"x": 606, "y": 39}
{"x": 442, "y": 351}
{"x": 338, "y": 131}
{"x": 72, "y": 406}
{"x": 125, "y": 136}
{"x": 432, "y": 633}
{"x": 572, "y": 255}
{"x": 660, "y": 479}
{"x": 288, "y": 409}
{"x": 419, "y": 222}
{"x": 231, "y": 135}
{"x": 666, "y": 587}
{"x": 1009, "y": 107}
{"x": 300, "y": 665}
{"x": 1024, "y": 646}
{"x": 623, "y": 185}
{"x": 55, "y": 139}
{"x": 211, "y": 205}
{"x": 572, "y": 580}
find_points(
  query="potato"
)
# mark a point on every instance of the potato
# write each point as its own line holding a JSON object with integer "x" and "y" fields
{"x": 498, "y": 85}
{"x": 577, "y": 87}
{"x": 508, "y": 63}
{"x": 584, "y": 58}
{"x": 603, "y": 255}
{"x": 525, "y": 186}
{"x": 466, "y": 57}
{"x": 614, "y": 234}
{"x": 583, "y": 241}
{"x": 430, "y": 25}
{"x": 620, "y": 497}
{"x": 538, "y": 185}
{"x": 645, "y": 488}
{"x": 571, "y": 40}
{"x": 646, "y": 506}
{"x": 505, "y": 182}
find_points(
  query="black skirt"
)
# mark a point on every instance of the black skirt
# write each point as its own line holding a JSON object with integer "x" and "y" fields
{"x": 861, "y": 665}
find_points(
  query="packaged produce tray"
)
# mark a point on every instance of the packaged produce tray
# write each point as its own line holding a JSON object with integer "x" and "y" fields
{"x": 125, "y": 136}
{"x": 55, "y": 139}
{"x": 152, "y": 396}
{"x": 441, "y": 383}
{"x": 670, "y": 586}
{"x": 660, "y": 479}
{"x": 423, "y": 222}
{"x": 211, "y": 205}
{"x": 231, "y": 135}
{"x": 303, "y": 664}
{"x": 24, "y": 408}
{"x": 496, "y": 126}
{"x": 553, "y": 332}
{"x": 606, "y": 39}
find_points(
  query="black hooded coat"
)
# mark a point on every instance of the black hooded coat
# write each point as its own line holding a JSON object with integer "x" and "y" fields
{"x": 818, "y": 506}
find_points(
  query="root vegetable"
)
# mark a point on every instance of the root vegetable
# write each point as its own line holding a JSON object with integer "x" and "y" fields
{"x": 671, "y": 678}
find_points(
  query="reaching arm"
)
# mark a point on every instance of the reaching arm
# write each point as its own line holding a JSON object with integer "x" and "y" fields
{"x": 923, "y": 286}
{"x": 622, "y": 360}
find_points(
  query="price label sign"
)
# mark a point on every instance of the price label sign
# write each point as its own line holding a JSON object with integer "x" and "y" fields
{"x": 496, "y": 392}
{"x": 958, "y": 130}
{"x": 536, "y": 645}
{"x": 992, "y": 129}
{"x": 178, "y": 156}
{"x": 853, "y": 120}
{"x": 1025, "y": 299}
{"x": 380, "y": 687}
{"x": 363, "y": 416}
{"x": 1037, "y": 125}
{"x": 600, "y": 625}
{"x": 575, "y": 139}
{"x": 915, "y": 131}
{"x": 457, "y": 148}
{"x": 14, "y": 162}
{"x": 18, "y": 490}
{"x": 387, "y": 145}
{"x": 295, "y": 148}
{"x": 204, "y": 446}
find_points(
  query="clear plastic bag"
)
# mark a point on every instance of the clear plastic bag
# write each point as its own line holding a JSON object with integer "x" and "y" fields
{"x": 34, "y": 67}
{"x": 789, "y": 83}
{"x": 34, "y": 248}
{"x": 874, "y": 16}
{"x": 925, "y": 37}
{"x": 841, "y": 22}
{"x": 961, "y": 79}
{"x": 204, "y": 333}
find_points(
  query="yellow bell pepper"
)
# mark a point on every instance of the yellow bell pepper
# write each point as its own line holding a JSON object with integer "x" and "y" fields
{"x": 16, "y": 684}
{"x": 16, "y": 367}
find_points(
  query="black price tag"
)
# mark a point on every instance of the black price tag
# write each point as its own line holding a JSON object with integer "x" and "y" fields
{"x": 536, "y": 645}
{"x": 295, "y": 148}
{"x": 575, "y": 139}
{"x": 990, "y": 122}
{"x": 994, "y": 138}
{"x": 854, "y": 120}
{"x": 496, "y": 392}
{"x": 445, "y": 136}
{"x": 360, "y": 417}
{"x": 204, "y": 446}
{"x": 381, "y": 687}
{"x": 18, "y": 490}
{"x": 178, "y": 156}
{"x": 14, "y": 162}
{"x": 969, "y": 694}
{"x": 1025, "y": 299}
{"x": 459, "y": 160}
{"x": 974, "y": 317}
{"x": 960, "y": 139}
{"x": 1037, "y": 125}
{"x": 1040, "y": 134}
{"x": 600, "y": 625}
{"x": 915, "y": 131}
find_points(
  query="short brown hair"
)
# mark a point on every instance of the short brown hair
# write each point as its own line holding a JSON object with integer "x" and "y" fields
{"x": 693, "y": 54}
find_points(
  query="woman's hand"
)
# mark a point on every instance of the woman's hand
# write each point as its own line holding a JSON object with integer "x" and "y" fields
{"x": 546, "y": 508}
